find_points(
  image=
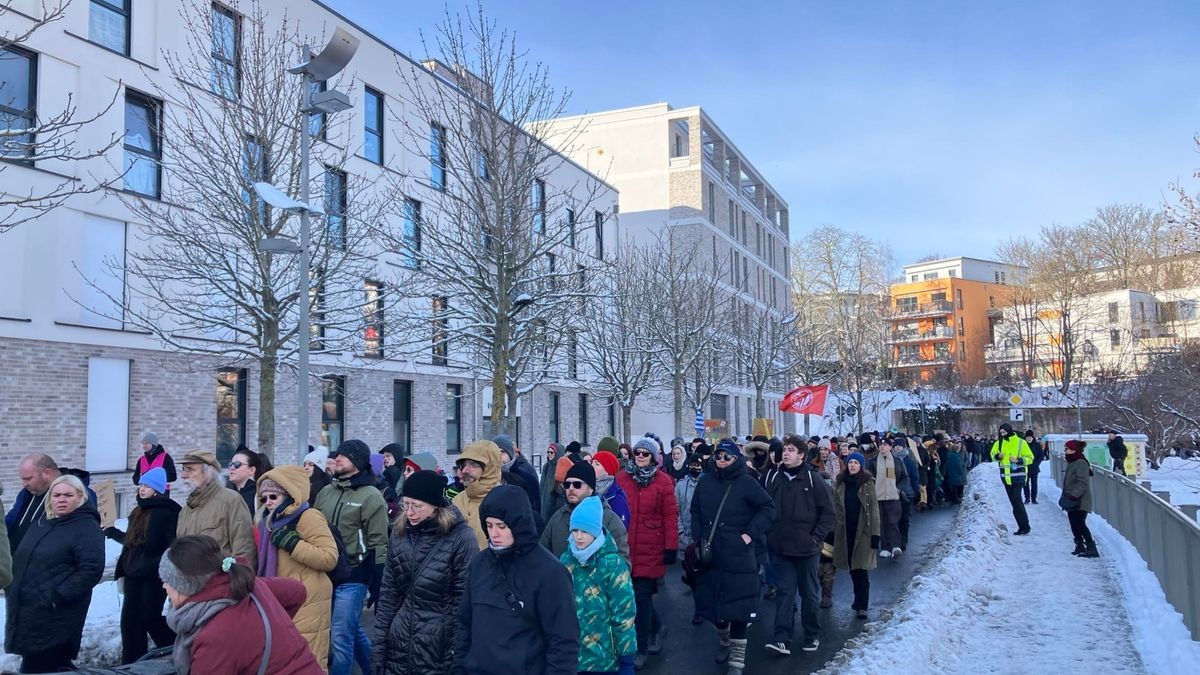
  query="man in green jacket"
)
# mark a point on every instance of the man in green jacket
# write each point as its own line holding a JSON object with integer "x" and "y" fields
{"x": 1015, "y": 458}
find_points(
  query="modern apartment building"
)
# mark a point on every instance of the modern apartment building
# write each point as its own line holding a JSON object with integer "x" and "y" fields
{"x": 943, "y": 316}
{"x": 678, "y": 171}
{"x": 78, "y": 382}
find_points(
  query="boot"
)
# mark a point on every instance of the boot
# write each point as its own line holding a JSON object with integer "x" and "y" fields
{"x": 726, "y": 646}
{"x": 737, "y": 657}
{"x": 1091, "y": 551}
{"x": 826, "y": 573}
{"x": 1079, "y": 547}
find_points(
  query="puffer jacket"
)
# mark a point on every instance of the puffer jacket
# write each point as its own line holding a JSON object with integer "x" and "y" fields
{"x": 728, "y": 590}
{"x": 1077, "y": 483}
{"x": 416, "y": 617}
{"x": 468, "y": 501}
{"x": 59, "y": 562}
{"x": 314, "y": 556}
{"x": 605, "y": 608}
{"x": 220, "y": 513}
{"x": 653, "y": 523}
{"x": 357, "y": 508}
{"x": 684, "y": 489}
{"x": 141, "y": 561}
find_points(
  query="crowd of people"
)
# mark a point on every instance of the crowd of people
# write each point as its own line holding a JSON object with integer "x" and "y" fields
{"x": 490, "y": 568}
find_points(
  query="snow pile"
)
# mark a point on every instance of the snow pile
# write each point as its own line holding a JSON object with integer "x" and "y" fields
{"x": 994, "y": 603}
{"x": 1180, "y": 477}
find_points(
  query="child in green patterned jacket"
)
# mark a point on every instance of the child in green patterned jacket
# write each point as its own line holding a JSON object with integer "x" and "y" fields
{"x": 603, "y": 594}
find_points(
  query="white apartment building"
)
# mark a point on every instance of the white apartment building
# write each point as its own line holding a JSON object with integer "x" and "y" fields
{"x": 83, "y": 386}
{"x": 677, "y": 170}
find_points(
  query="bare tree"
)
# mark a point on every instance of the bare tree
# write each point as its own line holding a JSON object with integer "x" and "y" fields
{"x": 199, "y": 281}
{"x": 501, "y": 244}
{"x": 1020, "y": 306}
{"x": 815, "y": 358}
{"x": 44, "y": 136}
{"x": 616, "y": 345}
{"x": 1063, "y": 283}
{"x": 1159, "y": 399}
{"x": 763, "y": 344}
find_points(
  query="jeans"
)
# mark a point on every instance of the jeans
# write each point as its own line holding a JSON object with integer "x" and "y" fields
{"x": 794, "y": 574}
{"x": 348, "y": 643}
{"x": 646, "y": 621}
{"x": 1018, "y": 507}
{"x": 889, "y": 524}
{"x": 862, "y": 589}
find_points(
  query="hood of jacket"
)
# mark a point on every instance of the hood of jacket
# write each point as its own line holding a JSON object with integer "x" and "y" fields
{"x": 510, "y": 504}
{"x": 85, "y": 477}
{"x": 425, "y": 460}
{"x": 293, "y": 480}
{"x": 488, "y": 454}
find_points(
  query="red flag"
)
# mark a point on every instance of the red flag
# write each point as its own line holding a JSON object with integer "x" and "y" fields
{"x": 806, "y": 400}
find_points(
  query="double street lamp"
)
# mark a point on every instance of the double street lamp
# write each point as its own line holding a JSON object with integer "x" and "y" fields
{"x": 316, "y": 68}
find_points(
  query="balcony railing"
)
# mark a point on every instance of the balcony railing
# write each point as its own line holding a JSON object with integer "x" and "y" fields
{"x": 919, "y": 361}
{"x": 933, "y": 308}
{"x": 938, "y": 333}
{"x": 998, "y": 354}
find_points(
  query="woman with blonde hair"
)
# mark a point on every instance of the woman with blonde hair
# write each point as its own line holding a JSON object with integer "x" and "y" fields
{"x": 55, "y": 567}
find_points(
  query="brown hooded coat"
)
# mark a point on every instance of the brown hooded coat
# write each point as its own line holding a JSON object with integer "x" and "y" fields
{"x": 468, "y": 501}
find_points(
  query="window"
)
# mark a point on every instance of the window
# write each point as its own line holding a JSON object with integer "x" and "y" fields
{"x": 316, "y": 121}
{"x": 758, "y": 234}
{"x": 411, "y": 235}
{"x": 678, "y": 149}
{"x": 453, "y": 418}
{"x": 962, "y": 350}
{"x": 108, "y": 24}
{"x": 373, "y": 109}
{"x": 991, "y": 301}
{"x": 719, "y": 408}
{"x": 1114, "y": 337}
{"x": 482, "y": 162}
{"x": 599, "y": 227}
{"x": 554, "y": 417}
{"x": 255, "y": 169}
{"x": 143, "y": 144}
{"x": 333, "y": 410}
{"x": 906, "y": 305}
{"x": 570, "y": 223}
{"x": 952, "y": 273}
{"x": 335, "y": 207}
{"x": 373, "y": 319}
{"x": 231, "y": 412}
{"x": 583, "y": 419}
{"x": 1114, "y": 312}
{"x": 572, "y": 355}
{"x": 712, "y": 203}
{"x": 914, "y": 278}
{"x": 441, "y": 338}
{"x": 961, "y": 327}
{"x": 226, "y": 77}
{"x": 402, "y": 415}
{"x": 930, "y": 276}
{"x": 539, "y": 206}
{"x": 958, "y": 298}
{"x": 744, "y": 229}
{"x": 1141, "y": 310}
{"x": 437, "y": 156}
{"x": 732, "y": 220}
{"x": 18, "y": 102}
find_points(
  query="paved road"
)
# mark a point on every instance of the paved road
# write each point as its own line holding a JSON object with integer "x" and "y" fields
{"x": 689, "y": 649}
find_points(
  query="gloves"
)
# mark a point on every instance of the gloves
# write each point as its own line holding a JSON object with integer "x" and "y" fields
{"x": 113, "y": 533}
{"x": 285, "y": 539}
{"x": 376, "y": 583}
{"x": 669, "y": 557}
{"x": 625, "y": 665}
{"x": 875, "y": 542}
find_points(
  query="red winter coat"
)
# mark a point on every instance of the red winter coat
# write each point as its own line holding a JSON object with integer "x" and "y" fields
{"x": 241, "y": 625}
{"x": 653, "y": 523}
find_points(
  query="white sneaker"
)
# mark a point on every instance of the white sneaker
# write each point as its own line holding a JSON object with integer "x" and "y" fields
{"x": 897, "y": 551}
{"x": 885, "y": 553}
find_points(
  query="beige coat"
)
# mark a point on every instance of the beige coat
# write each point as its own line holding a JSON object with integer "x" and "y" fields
{"x": 308, "y": 563}
{"x": 470, "y": 499}
{"x": 219, "y": 512}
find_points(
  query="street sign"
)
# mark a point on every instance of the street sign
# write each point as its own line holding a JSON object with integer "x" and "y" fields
{"x": 1015, "y": 400}
{"x": 1016, "y": 415}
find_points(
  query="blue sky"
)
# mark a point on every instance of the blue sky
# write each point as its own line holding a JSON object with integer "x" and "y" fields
{"x": 935, "y": 126}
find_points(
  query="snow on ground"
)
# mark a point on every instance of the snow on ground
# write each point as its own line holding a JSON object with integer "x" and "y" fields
{"x": 1180, "y": 477}
{"x": 996, "y": 603}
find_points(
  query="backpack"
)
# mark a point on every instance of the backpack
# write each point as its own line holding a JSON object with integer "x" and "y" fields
{"x": 340, "y": 573}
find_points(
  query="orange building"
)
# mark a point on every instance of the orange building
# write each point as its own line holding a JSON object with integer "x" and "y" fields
{"x": 943, "y": 315}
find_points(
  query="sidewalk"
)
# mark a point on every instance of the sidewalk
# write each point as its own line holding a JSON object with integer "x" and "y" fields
{"x": 998, "y": 603}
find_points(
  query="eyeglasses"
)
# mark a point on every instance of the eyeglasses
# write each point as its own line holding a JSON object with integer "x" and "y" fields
{"x": 271, "y": 496}
{"x": 236, "y": 465}
{"x": 723, "y": 457}
{"x": 573, "y": 484}
{"x": 641, "y": 453}
{"x": 412, "y": 506}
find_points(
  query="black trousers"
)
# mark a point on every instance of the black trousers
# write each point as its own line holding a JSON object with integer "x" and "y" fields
{"x": 737, "y": 629}
{"x": 1018, "y": 507}
{"x": 1030, "y": 489}
{"x": 646, "y": 621}
{"x": 1079, "y": 528}
{"x": 905, "y": 521}
{"x": 862, "y": 589}
{"x": 142, "y": 613}
{"x": 46, "y": 662}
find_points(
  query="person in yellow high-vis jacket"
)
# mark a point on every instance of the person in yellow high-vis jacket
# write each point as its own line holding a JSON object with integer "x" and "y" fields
{"x": 1014, "y": 456}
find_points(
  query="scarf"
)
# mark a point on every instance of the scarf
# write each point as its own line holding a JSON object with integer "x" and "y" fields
{"x": 201, "y": 494}
{"x": 603, "y": 485}
{"x": 268, "y": 554}
{"x": 586, "y": 553}
{"x": 643, "y": 476}
{"x": 187, "y": 621}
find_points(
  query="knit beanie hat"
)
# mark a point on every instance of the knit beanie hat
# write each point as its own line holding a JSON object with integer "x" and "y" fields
{"x": 318, "y": 458}
{"x": 392, "y": 449}
{"x": 651, "y": 446}
{"x": 506, "y": 445}
{"x": 357, "y": 452}
{"x": 588, "y": 516}
{"x": 150, "y": 437}
{"x": 1075, "y": 445}
{"x": 609, "y": 461}
{"x": 562, "y": 467}
{"x": 824, "y": 444}
{"x": 155, "y": 479}
{"x": 184, "y": 583}
{"x": 425, "y": 486}
{"x": 857, "y": 457}
{"x": 584, "y": 472}
{"x": 269, "y": 485}
{"x": 608, "y": 444}
{"x": 727, "y": 445}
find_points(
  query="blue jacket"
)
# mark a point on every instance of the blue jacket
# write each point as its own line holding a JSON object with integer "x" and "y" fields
{"x": 615, "y": 497}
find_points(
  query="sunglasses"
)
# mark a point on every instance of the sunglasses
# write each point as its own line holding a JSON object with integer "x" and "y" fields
{"x": 271, "y": 496}
{"x": 236, "y": 465}
{"x": 573, "y": 484}
{"x": 723, "y": 457}
{"x": 641, "y": 453}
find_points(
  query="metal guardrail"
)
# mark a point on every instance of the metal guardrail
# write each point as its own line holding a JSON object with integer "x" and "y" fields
{"x": 1167, "y": 539}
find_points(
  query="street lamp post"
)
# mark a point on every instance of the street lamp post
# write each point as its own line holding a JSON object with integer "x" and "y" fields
{"x": 316, "y": 68}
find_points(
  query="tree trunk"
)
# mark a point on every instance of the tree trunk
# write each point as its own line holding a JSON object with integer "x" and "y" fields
{"x": 267, "y": 371}
{"x": 626, "y": 423}
{"x": 508, "y": 423}
{"x": 760, "y": 404}
{"x": 677, "y": 383}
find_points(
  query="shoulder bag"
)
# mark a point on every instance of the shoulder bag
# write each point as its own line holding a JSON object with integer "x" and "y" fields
{"x": 704, "y": 553}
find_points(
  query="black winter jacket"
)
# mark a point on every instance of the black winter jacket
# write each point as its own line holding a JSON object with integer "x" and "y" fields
{"x": 728, "y": 590}
{"x": 518, "y": 613}
{"x": 1117, "y": 449}
{"x": 141, "y": 561}
{"x": 803, "y": 511}
{"x": 55, "y": 568}
{"x": 415, "y": 620}
{"x": 529, "y": 479}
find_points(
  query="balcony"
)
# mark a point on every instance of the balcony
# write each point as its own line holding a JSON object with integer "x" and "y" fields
{"x": 934, "y": 308}
{"x": 938, "y": 333}
{"x": 1002, "y": 354}
{"x": 942, "y": 359}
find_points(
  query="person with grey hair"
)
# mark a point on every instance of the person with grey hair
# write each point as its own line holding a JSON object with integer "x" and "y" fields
{"x": 214, "y": 509}
{"x": 55, "y": 568}
{"x": 154, "y": 455}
